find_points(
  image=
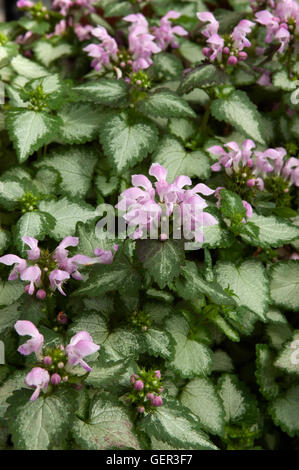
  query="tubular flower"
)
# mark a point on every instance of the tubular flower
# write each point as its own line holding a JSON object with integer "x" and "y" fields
{"x": 38, "y": 378}
{"x": 81, "y": 345}
{"x": 146, "y": 207}
{"x": 105, "y": 51}
{"x": 44, "y": 270}
{"x": 35, "y": 344}
{"x": 228, "y": 49}
{"x": 166, "y": 33}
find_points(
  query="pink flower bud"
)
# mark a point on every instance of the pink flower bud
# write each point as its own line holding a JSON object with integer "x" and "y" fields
{"x": 226, "y": 50}
{"x": 250, "y": 163}
{"x": 55, "y": 379}
{"x": 47, "y": 361}
{"x": 158, "y": 374}
{"x": 232, "y": 60}
{"x": 133, "y": 378}
{"x": 41, "y": 294}
{"x": 206, "y": 51}
{"x": 161, "y": 389}
{"x": 141, "y": 409}
{"x": 60, "y": 365}
{"x": 65, "y": 378}
{"x": 157, "y": 401}
{"x": 243, "y": 55}
{"x": 150, "y": 396}
{"x": 138, "y": 385}
{"x": 251, "y": 183}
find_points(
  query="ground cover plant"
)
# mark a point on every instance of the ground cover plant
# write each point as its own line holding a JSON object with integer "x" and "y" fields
{"x": 149, "y": 225}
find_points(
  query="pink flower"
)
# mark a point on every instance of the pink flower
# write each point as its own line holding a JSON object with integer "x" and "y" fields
{"x": 38, "y": 378}
{"x": 83, "y": 32}
{"x": 105, "y": 257}
{"x": 19, "y": 265}
{"x": 35, "y": 344}
{"x": 212, "y": 26}
{"x": 239, "y": 34}
{"x": 81, "y": 345}
{"x": 34, "y": 253}
{"x": 143, "y": 204}
{"x": 141, "y": 42}
{"x": 291, "y": 170}
{"x": 248, "y": 208}
{"x": 104, "y": 52}
{"x": 235, "y": 157}
{"x": 63, "y": 5}
{"x": 24, "y": 4}
{"x": 165, "y": 33}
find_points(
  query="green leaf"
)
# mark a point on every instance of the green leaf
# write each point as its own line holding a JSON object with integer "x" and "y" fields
{"x": 165, "y": 103}
{"x": 285, "y": 411}
{"x": 167, "y": 65}
{"x": 173, "y": 424}
{"x": 178, "y": 161}
{"x": 10, "y": 385}
{"x": 32, "y": 224}
{"x": 4, "y": 240}
{"x": 198, "y": 286}
{"x": 191, "y": 357}
{"x": 121, "y": 275}
{"x": 278, "y": 334}
{"x": 75, "y": 166}
{"x": 38, "y": 27}
{"x": 203, "y": 76}
{"x": 67, "y": 214}
{"x": 282, "y": 80}
{"x": 266, "y": 373}
{"x": 27, "y": 68}
{"x": 284, "y": 284}
{"x": 241, "y": 113}
{"x": 273, "y": 232}
{"x": 112, "y": 376}
{"x": 9, "y": 314}
{"x": 30, "y": 130}
{"x": 239, "y": 405}
{"x": 10, "y": 292}
{"x": 118, "y": 9}
{"x": 288, "y": 358}
{"x": 11, "y": 191}
{"x": 191, "y": 51}
{"x": 231, "y": 206}
{"x": 162, "y": 259}
{"x": 222, "y": 362}
{"x": 94, "y": 324}
{"x": 248, "y": 282}
{"x": 107, "y": 91}
{"x": 46, "y": 53}
{"x": 122, "y": 344}
{"x": 39, "y": 424}
{"x": 201, "y": 398}
{"x": 158, "y": 343}
{"x": 108, "y": 427}
{"x": 89, "y": 240}
{"x": 183, "y": 128}
{"x": 127, "y": 140}
{"x": 80, "y": 123}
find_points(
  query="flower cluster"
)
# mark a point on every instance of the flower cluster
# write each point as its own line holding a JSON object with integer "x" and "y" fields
{"x": 48, "y": 271}
{"x": 143, "y": 42}
{"x": 147, "y": 389}
{"x": 256, "y": 166}
{"x": 104, "y": 52}
{"x": 227, "y": 49}
{"x": 282, "y": 22}
{"x": 56, "y": 364}
{"x": 148, "y": 208}
{"x": 64, "y": 6}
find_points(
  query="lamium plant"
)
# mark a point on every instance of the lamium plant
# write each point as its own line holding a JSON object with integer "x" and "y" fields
{"x": 149, "y": 225}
